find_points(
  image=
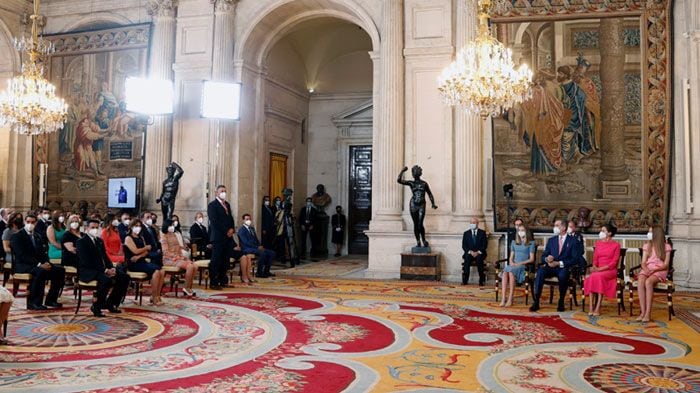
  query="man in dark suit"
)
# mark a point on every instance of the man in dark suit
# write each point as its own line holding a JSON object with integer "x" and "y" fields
{"x": 199, "y": 235}
{"x": 94, "y": 264}
{"x": 152, "y": 238}
{"x": 474, "y": 244}
{"x": 123, "y": 226}
{"x": 31, "y": 256}
{"x": 3, "y": 226}
{"x": 307, "y": 220}
{"x": 268, "y": 224}
{"x": 560, "y": 255}
{"x": 250, "y": 244}
{"x": 572, "y": 231}
{"x": 221, "y": 230}
{"x": 42, "y": 224}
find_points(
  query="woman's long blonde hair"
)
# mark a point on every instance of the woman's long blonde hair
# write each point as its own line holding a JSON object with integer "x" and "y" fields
{"x": 658, "y": 241}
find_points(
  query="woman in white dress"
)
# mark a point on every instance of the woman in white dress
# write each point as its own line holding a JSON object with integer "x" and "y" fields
{"x": 6, "y": 300}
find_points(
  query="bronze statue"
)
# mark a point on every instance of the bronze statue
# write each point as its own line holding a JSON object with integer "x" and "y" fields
{"x": 170, "y": 187}
{"x": 419, "y": 188}
{"x": 321, "y": 199}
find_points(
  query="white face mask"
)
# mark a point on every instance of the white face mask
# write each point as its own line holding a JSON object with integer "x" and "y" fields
{"x": 267, "y": 203}
{"x": 136, "y": 230}
{"x": 74, "y": 225}
{"x": 176, "y": 223}
{"x": 308, "y": 204}
{"x": 115, "y": 223}
{"x": 522, "y": 234}
{"x": 93, "y": 232}
{"x": 556, "y": 230}
{"x": 171, "y": 229}
{"x": 149, "y": 222}
{"x": 248, "y": 223}
{"x": 472, "y": 226}
{"x": 200, "y": 220}
{"x": 29, "y": 227}
{"x": 222, "y": 196}
{"x": 46, "y": 216}
{"x": 569, "y": 230}
{"x": 602, "y": 235}
{"x": 650, "y": 235}
{"x": 61, "y": 219}
{"x": 126, "y": 222}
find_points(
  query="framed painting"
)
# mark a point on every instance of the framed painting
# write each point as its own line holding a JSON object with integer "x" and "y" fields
{"x": 592, "y": 144}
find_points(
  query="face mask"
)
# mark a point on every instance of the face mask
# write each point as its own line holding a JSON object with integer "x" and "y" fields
{"x": 569, "y": 231}
{"x": 472, "y": 226}
{"x": 200, "y": 220}
{"x": 74, "y": 225}
{"x": 602, "y": 235}
{"x": 556, "y": 230}
{"x": 248, "y": 223}
{"x": 29, "y": 227}
{"x": 278, "y": 203}
{"x": 61, "y": 219}
{"x": 267, "y": 203}
{"x": 93, "y": 232}
{"x": 46, "y": 216}
{"x": 154, "y": 221}
{"x": 522, "y": 234}
{"x": 650, "y": 235}
{"x": 126, "y": 222}
{"x": 136, "y": 230}
{"x": 222, "y": 196}
{"x": 176, "y": 223}
{"x": 115, "y": 223}
{"x": 308, "y": 204}
{"x": 149, "y": 222}
{"x": 171, "y": 229}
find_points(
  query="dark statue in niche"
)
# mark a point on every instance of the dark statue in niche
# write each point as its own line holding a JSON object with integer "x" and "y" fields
{"x": 321, "y": 199}
{"x": 417, "y": 206}
{"x": 170, "y": 187}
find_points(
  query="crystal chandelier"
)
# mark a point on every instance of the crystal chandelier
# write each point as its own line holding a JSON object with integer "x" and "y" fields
{"x": 30, "y": 105}
{"x": 483, "y": 78}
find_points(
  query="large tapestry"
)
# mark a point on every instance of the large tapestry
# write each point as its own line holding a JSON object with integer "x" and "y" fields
{"x": 592, "y": 143}
{"x": 100, "y": 139}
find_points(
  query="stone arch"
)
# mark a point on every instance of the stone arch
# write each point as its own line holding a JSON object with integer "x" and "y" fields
{"x": 97, "y": 20}
{"x": 6, "y": 46}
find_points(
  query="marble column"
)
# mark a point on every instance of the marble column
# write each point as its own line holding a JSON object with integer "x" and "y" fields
{"x": 388, "y": 141}
{"x": 612, "y": 71}
{"x": 159, "y": 135}
{"x": 468, "y": 137}
{"x": 223, "y": 70}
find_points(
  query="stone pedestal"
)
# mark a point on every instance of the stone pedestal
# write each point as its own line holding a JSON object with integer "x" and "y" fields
{"x": 319, "y": 249}
{"x": 420, "y": 266}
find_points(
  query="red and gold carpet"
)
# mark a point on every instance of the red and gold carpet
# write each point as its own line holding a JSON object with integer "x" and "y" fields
{"x": 319, "y": 335}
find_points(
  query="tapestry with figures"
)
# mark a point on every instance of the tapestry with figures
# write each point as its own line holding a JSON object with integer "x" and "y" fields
{"x": 100, "y": 140}
{"x": 592, "y": 143}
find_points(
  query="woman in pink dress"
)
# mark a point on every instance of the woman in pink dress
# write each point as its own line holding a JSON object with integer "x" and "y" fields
{"x": 654, "y": 269}
{"x": 175, "y": 254}
{"x": 603, "y": 277}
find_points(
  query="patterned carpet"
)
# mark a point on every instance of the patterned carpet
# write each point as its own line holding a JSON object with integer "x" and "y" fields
{"x": 339, "y": 267}
{"x": 297, "y": 334}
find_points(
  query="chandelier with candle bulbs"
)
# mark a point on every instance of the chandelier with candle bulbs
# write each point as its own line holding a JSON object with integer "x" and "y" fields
{"x": 483, "y": 78}
{"x": 30, "y": 105}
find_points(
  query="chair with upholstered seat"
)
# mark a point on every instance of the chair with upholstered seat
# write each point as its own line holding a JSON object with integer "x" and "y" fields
{"x": 138, "y": 278}
{"x": 174, "y": 273}
{"x": 79, "y": 286}
{"x": 667, "y": 288}
{"x": 620, "y": 283}
{"x": 6, "y": 272}
{"x": 19, "y": 278}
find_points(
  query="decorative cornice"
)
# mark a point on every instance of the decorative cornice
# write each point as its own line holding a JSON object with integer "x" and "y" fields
{"x": 224, "y": 5}
{"x": 281, "y": 114}
{"x": 128, "y": 37}
{"x": 156, "y": 8}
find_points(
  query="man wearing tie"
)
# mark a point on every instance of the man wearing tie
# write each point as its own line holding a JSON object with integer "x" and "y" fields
{"x": 95, "y": 265}
{"x": 474, "y": 244}
{"x": 307, "y": 218}
{"x": 561, "y": 253}
{"x": 31, "y": 256}
{"x": 250, "y": 244}
{"x": 268, "y": 224}
{"x": 221, "y": 230}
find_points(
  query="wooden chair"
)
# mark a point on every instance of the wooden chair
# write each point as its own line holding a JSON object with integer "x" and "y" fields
{"x": 6, "y": 272}
{"x": 530, "y": 273}
{"x": 661, "y": 287}
{"x": 71, "y": 274}
{"x": 620, "y": 283}
{"x": 79, "y": 286}
{"x": 19, "y": 278}
{"x": 203, "y": 270}
{"x": 529, "y": 276}
{"x": 553, "y": 282}
{"x": 174, "y": 273}
{"x": 137, "y": 279}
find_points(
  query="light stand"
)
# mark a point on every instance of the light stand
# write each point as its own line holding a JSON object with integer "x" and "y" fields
{"x": 508, "y": 194}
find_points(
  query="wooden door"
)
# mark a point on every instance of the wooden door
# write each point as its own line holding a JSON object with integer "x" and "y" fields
{"x": 360, "y": 198}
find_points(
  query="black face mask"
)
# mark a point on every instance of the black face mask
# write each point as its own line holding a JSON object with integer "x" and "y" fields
{"x": 19, "y": 223}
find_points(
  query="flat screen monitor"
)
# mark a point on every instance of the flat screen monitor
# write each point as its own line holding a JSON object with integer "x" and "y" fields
{"x": 122, "y": 192}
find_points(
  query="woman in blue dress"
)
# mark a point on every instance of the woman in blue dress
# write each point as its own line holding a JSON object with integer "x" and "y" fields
{"x": 522, "y": 253}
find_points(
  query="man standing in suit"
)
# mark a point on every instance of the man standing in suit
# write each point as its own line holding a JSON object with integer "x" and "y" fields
{"x": 31, "y": 256}
{"x": 268, "y": 224}
{"x": 561, "y": 253}
{"x": 474, "y": 244}
{"x": 93, "y": 264}
{"x": 307, "y": 218}
{"x": 221, "y": 230}
{"x": 250, "y": 244}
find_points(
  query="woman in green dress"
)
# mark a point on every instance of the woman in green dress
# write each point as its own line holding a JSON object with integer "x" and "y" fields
{"x": 55, "y": 234}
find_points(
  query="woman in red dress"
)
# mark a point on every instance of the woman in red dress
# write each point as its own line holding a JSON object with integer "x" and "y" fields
{"x": 603, "y": 277}
{"x": 113, "y": 243}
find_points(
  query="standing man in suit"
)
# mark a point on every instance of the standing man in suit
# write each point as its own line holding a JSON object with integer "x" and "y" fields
{"x": 561, "y": 254}
{"x": 221, "y": 230}
{"x": 31, "y": 256}
{"x": 307, "y": 218}
{"x": 474, "y": 244}
{"x": 250, "y": 244}
{"x": 93, "y": 264}
{"x": 268, "y": 224}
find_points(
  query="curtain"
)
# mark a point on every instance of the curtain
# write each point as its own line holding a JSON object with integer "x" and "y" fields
{"x": 278, "y": 174}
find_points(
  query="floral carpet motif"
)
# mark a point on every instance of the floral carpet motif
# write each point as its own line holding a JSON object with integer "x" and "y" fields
{"x": 314, "y": 335}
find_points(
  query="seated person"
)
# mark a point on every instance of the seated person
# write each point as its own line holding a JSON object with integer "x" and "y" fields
{"x": 522, "y": 253}
{"x": 199, "y": 235}
{"x": 603, "y": 277}
{"x": 31, "y": 256}
{"x": 561, "y": 253}
{"x": 69, "y": 254}
{"x": 151, "y": 235}
{"x": 250, "y": 244}
{"x": 123, "y": 226}
{"x": 656, "y": 259}
{"x": 14, "y": 224}
{"x": 54, "y": 234}
{"x": 474, "y": 244}
{"x": 94, "y": 264}
{"x": 113, "y": 241}
{"x": 175, "y": 254}
{"x": 135, "y": 252}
